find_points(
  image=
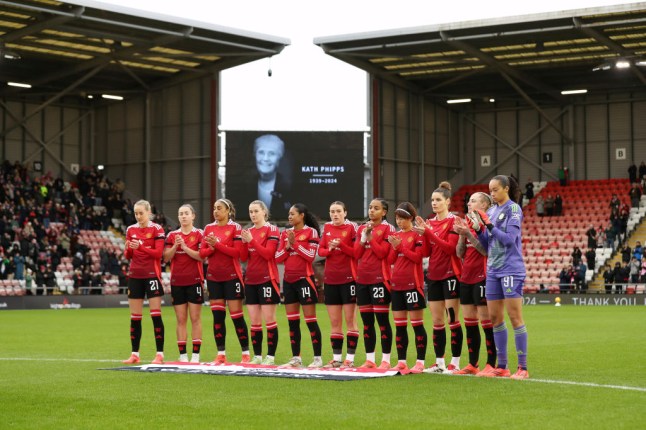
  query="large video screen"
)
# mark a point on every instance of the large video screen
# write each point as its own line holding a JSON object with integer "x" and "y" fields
{"x": 286, "y": 167}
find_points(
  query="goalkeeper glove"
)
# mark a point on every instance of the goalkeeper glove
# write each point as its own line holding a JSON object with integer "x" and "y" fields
{"x": 473, "y": 220}
{"x": 484, "y": 218}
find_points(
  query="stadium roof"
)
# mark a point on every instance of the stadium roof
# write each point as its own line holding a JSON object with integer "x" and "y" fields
{"x": 86, "y": 47}
{"x": 532, "y": 57}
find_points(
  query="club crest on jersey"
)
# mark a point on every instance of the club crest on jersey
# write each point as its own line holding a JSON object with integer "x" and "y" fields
{"x": 191, "y": 239}
{"x": 410, "y": 239}
{"x": 301, "y": 237}
{"x": 228, "y": 233}
{"x": 262, "y": 234}
{"x": 501, "y": 217}
{"x": 344, "y": 234}
{"x": 149, "y": 235}
{"x": 380, "y": 232}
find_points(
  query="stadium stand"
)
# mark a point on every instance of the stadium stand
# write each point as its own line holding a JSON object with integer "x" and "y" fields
{"x": 49, "y": 228}
{"x": 636, "y": 232}
{"x": 549, "y": 241}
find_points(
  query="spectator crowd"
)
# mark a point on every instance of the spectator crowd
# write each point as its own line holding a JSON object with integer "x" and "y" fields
{"x": 40, "y": 222}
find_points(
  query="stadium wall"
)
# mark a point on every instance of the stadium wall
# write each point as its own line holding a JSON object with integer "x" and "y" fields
{"x": 418, "y": 145}
{"x": 598, "y": 127}
{"x": 54, "y": 137}
{"x": 171, "y": 165}
{"x": 595, "y": 130}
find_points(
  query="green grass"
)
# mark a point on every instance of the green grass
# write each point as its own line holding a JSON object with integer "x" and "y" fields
{"x": 599, "y": 345}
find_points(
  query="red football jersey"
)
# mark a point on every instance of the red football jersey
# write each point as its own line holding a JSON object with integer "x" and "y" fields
{"x": 442, "y": 240}
{"x": 407, "y": 259}
{"x": 474, "y": 264}
{"x": 224, "y": 258}
{"x": 340, "y": 267}
{"x": 260, "y": 255}
{"x": 184, "y": 269}
{"x": 373, "y": 267}
{"x": 145, "y": 261}
{"x": 298, "y": 260}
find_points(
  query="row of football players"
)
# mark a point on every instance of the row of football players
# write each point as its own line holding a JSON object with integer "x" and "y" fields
{"x": 373, "y": 267}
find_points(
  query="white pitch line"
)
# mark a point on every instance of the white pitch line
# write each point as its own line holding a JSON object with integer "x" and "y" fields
{"x": 589, "y": 384}
{"x": 542, "y": 381}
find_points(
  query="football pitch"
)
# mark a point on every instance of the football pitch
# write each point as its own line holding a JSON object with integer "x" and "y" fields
{"x": 586, "y": 367}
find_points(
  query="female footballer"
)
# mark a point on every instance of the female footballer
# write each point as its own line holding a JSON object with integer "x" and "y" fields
{"x": 262, "y": 289}
{"x": 472, "y": 286}
{"x": 221, "y": 247}
{"x": 297, "y": 250}
{"x": 144, "y": 247}
{"x": 337, "y": 247}
{"x": 443, "y": 272}
{"x": 186, "y": 280}
{"x": 505, "y": 271}
{"x": 406, "y": 254}
{"x": 373, "y": 281}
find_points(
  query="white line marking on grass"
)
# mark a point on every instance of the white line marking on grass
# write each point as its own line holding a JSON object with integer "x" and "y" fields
{"x": 83, "y": 360}
{"x": 542, "y": 381}
{"x": 588, "y": 384}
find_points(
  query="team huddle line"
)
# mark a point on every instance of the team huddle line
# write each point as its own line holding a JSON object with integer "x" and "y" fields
{"x": 475, "y": 267}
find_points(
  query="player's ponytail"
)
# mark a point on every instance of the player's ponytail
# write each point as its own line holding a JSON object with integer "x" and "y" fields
{"x": 144, "y": 204}
{"x": 229, "y": 204}
{"x": 511, "y": 183}
{"x": 445, "y": 189}
{"x": 384, "y": 204}
{"x": 309, "y": 218}
{"x": 514, "y": 190}
{"x": 484, "y": 197}
{"x": 406, "y": 210}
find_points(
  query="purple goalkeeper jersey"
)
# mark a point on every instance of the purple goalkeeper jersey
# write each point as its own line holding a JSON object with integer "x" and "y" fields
{"x": 505, "y": 254}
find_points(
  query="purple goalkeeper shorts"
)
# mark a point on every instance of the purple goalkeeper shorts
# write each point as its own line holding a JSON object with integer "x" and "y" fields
{"x": 504, "y": 287}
